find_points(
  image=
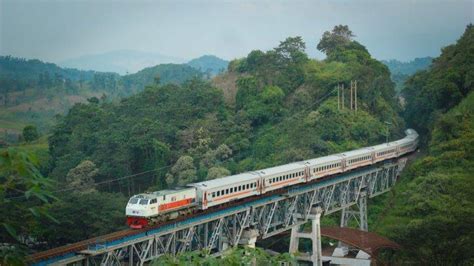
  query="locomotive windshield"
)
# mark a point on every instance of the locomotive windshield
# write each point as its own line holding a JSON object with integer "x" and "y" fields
{"x": 133, "y": 201}
{"x": 143, "y": 202}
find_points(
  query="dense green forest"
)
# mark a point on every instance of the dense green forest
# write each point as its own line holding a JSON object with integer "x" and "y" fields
{"x": 269, "y": 108}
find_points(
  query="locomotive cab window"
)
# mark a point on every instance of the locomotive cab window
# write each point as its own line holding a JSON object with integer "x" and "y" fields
{"x": 133, "y": 201}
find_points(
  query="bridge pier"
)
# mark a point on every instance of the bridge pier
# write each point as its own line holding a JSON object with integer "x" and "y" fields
{"x": 360, "y": 215}
{"x": 315, "y": 235}
{"x": 249, "y": 238}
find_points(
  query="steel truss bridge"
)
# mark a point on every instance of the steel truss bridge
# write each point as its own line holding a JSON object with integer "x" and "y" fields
{"x": 261, "y": 218}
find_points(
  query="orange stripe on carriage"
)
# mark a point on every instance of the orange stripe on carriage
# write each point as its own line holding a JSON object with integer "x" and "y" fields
{"x": 176, "y": 204}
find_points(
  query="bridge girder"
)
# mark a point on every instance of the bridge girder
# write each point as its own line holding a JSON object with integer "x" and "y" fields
{"x": 270, "y": 216}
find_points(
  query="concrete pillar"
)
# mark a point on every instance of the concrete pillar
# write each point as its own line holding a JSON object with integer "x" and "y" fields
{"x": 315, "y": 235}
{"x": 249, "y": 238}
{"x": 363, "y": 225}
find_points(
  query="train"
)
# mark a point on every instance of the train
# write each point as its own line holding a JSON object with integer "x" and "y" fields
{"x": 146, "y": 209}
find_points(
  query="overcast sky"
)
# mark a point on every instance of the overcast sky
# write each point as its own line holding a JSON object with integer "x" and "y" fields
{"x": 62, "y": 29}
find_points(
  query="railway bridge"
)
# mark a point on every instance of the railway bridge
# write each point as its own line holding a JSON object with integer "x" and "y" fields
{"x": 240, "y": 224}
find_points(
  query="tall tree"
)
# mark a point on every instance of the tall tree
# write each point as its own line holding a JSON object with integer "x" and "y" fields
{"x": 340, "y": 36}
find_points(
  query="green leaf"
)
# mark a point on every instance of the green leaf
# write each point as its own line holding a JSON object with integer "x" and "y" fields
{"x": 11, "y": 230}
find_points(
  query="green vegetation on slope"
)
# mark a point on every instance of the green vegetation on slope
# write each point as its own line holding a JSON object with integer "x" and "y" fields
{"x": 431, "y": 211}
{"x": 432, "y": 92}
{"x": 33, "y": 92}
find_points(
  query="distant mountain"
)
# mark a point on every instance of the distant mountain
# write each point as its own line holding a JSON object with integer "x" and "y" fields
{"x": 167, "y": 73}
{"x": 408, "y": 68}
{"x": 121, "y": 61}
{"x": 400, "y": 71}
{"x": 209, "y": 64}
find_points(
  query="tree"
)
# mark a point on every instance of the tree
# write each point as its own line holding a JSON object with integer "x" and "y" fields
{"x": 183, "y": 172}
{"x": 81, "y": 178}
{"x": 292, "y": 50}
{"x": 30, "y": 133}
{"x": 216, "y": 172}
{"x": 24, "y": 197}
{"x": 340, "y": 36}
{"x": 235, "y": 257}
{"x": 81, "y": 216}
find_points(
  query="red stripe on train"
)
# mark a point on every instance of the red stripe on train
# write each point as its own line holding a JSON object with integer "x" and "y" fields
{"x": 176, "y": 204}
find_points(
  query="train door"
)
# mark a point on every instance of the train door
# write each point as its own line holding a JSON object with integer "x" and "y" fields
{"x": 307, "y": 174}
{"x": 204, "y": 200}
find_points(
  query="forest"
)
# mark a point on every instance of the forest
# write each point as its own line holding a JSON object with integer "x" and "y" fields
{"x": 281, "y": 107}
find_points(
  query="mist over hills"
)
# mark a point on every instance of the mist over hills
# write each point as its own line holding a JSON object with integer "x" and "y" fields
{"x": 408, "y": 68}
{"x": 400, "y": 71}
{"x": 120, "y": 61}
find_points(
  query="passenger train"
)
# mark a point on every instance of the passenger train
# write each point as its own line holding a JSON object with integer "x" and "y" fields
{"x": 145, "y": 209}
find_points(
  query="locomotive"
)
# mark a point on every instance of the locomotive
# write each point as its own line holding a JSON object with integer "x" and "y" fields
{"x": 148, "y": 208}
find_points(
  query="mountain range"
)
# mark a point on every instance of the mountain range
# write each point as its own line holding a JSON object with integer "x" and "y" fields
{"x": 130, "y": 61}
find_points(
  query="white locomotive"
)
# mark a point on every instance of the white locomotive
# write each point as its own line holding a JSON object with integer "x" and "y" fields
{"x": 147, "y": 208}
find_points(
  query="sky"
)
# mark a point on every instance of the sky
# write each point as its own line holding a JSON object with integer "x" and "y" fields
{"x": 61, "y": 29}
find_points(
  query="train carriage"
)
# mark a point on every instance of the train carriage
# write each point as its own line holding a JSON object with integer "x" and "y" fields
{"x": 325, "y": 166}
{"x": 281, "y": 176}
{"x": 222, "y": 190}
{"x": 358, "y": 158}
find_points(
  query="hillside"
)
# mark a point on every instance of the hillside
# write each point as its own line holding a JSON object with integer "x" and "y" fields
{"x": 209, "y": 64}
{"x": 121, "y": 61}
{"x": 431, "y": 210}
{"x": 167, "y": 73}
{"x": 34, "y": 70}
{"x": 34, "y": 92}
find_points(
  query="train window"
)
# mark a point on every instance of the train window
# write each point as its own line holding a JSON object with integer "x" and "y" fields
{"x": 143, "y": 202}
{"x": 213, "y": 194}
{"x": 227, "y": 191}
{"x": 218, "y": 193}
{"x": 247, "y": 186}
{"x": 240, "y": 188}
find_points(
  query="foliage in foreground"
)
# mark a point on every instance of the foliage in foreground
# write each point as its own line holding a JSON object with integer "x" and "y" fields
{"x": 235, "y": 257}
